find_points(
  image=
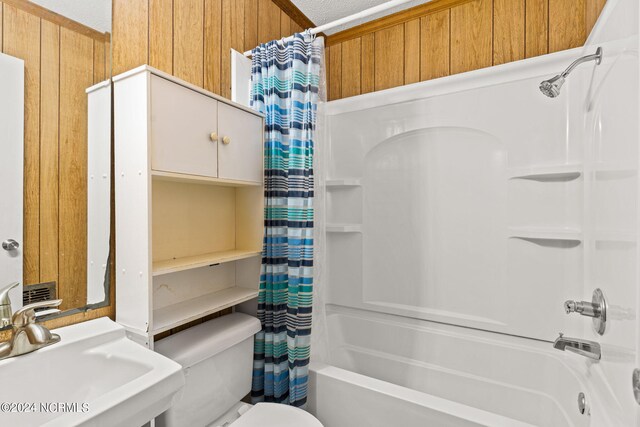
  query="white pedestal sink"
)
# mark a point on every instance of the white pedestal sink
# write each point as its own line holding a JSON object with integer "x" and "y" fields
{"x": 94, "y": 376}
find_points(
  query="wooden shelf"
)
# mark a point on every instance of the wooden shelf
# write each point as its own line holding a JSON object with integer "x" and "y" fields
{"x": 197, "y": 179}
{"x": 187, "y": 311}
{"x": 197, "y": 261}
{"x": 344, "y": 228}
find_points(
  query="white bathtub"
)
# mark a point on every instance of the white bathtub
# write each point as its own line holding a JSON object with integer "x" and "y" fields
{"x": 460, "y": 214}
{"x": 392, "y": 371}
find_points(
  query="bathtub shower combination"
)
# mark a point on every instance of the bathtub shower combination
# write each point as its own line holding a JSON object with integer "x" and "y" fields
{"x": 461, "y": 214}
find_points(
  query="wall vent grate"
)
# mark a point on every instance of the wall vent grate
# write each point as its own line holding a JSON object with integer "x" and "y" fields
{"x": 38, "y": 292}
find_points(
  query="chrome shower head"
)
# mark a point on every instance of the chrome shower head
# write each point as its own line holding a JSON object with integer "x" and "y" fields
{"x": 551, "y": 87}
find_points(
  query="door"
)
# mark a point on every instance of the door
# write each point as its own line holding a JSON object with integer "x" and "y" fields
{"x": 183, "y": 130}
{"x": 11, "y": 173}
{"x": 240, "y": 147}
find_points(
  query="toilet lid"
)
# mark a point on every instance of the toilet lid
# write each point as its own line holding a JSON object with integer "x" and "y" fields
{"x": 276, "y": 415}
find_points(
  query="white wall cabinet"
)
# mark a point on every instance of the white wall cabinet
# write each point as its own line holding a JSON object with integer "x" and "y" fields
{"x": 189, "y": 204}
{"x": 182, "y": 122}
{"x": 239, "y": 158}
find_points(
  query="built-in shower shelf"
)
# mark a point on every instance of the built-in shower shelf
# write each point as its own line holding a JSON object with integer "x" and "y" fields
{"x": 615, "y": 236}
{"x": 539, "y": 233}
{"x": 567, "y": 172}
{"x": 344, "y": 228}
{"x": 347, "y": 182}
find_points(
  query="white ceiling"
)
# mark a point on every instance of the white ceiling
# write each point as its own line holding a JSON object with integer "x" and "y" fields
{"x": 92, "y": 13}
{"x": 325, "y": 11}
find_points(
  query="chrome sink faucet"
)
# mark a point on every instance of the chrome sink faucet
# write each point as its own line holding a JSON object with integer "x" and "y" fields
{"x": 5, "y": 305}
{"x": 582, "y": 347}
{"x": 26, "y": 334}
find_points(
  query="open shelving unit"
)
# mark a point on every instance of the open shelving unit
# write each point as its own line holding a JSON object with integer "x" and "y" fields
{"x": 189, "y": 203}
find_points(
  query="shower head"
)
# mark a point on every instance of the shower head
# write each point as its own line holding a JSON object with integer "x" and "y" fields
{"x": 551, "y": 87}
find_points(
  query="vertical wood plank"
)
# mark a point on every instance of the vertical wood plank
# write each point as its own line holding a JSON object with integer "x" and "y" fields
{"x": 350, "y": 68}
{"x": 76, "y": 60}
{"x": 389, "y": 64}
{"x": 1, "y": 7}
{"x": 327, "y": 72}
{"x": 188, "y": 40}
{"x": 594, "y": 8}
{"x": 107, "y": 58}
{"x": 508, "y": 31}
{"x": 368, "y": 56}
{"x": 268, "y": 21}
{"x": 212, "y": 44}
{"x": 98, "y": 61}
{"x": 412, "y": 51}
{"x": 250, "y": 24}
{"x": 49, "y": 92}
{"x": 22, "y": 40}
{"x": 567, "y": 23}
{"x": 435, "y": 41}
{"x": 161, "y": 35}
{"x": 285, "y": 25}
{"x": 335, "y": 69}
{"x": 295, "y": 27}
{"x": 232, "y": 38}
{"x": 471, "y": 36}
{"x": 130, "y": 34}
{"x": 536, "y": 28}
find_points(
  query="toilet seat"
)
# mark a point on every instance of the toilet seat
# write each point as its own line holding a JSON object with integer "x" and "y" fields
{"x": 276, "y": 415}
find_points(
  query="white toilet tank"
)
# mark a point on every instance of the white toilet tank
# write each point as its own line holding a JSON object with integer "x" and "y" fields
{"x": 217, "y": 359}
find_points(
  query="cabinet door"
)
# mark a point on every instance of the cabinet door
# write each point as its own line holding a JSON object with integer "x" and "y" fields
{"x": 182, "y": 121}
{"x": 241, "y": 157}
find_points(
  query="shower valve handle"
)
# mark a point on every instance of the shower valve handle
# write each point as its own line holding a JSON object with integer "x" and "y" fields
{"x": 597, "y": 309}
{"x": 582, "y": 307}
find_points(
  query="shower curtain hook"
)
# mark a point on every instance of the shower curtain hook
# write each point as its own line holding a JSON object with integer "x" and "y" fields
{"x": 308, "y": 36}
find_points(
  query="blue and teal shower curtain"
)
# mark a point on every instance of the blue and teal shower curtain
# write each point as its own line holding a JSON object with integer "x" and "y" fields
{"x": 285, "y": 83}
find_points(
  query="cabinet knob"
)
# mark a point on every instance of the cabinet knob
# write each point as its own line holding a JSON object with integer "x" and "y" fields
{"x": 226, "y": 140}
{"x": 214, "y": 136}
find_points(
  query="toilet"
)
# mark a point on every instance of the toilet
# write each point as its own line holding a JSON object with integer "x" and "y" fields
{"x": 217, "y": 360}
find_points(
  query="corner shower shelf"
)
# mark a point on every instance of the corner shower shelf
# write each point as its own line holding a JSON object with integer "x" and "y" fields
{"x": 344, "y": 228}
{"x": 172, "y": 316}
{"x": 539, "y": 233}
{"x": 203, "y": 260}
{"x": 567, "y": 172}
{"x": 347, "y": 182}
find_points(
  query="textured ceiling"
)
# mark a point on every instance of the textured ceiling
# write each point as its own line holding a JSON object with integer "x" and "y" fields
{"x": 325, "y": 11}
{"x": 92, "y": 13}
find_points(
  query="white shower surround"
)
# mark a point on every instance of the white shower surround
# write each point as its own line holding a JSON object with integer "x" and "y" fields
{"x": 544, "y": 211}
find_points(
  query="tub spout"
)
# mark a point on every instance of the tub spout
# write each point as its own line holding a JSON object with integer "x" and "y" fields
{"x": 584, "y": 348}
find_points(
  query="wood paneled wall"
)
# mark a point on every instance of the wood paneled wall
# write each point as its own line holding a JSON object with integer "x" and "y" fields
{"x": 62, "y": 58}
{"x": 445, "y": 37}
{"x": 190, "y": 39}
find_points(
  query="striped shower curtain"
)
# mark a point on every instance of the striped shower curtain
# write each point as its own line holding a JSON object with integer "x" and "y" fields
{"x": 285, "y": 82}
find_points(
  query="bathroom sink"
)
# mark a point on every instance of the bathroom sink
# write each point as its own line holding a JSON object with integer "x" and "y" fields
{"x": 94, "y": 376}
